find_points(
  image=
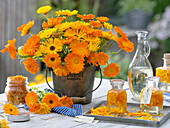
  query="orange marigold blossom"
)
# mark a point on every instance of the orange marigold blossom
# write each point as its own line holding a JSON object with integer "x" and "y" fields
{"x": 31, "y": 46}
{"x": 68, "y": 46}
{"x": 95, "y": 24}
{"x": 125, "y": 44}
{"x": 102, "y": 19}
{"x": 31, "y": 99}
{"x": 74, "y": 62}
{"x": 52, "y": 100}
{"x": 24, "y": 29}
{"x": 111, "y": 70}
{"x": 10, "y": 109}
{"x": 80, "y": 48}
{"x": 4, "y": 123}
{"x": 34, "y": 107}
{"x": 60, "y": 70}
{"x": 43, "y": 109}
{"x": 10, "y": 47}
{"x": 66, "y": 101}
{"x": 102, "y": 111}
{"x": 86, "y": 18}
{"x": 52, "y": 60}
{"x": 102, "y": 58}
{"x": 31, "y": 65}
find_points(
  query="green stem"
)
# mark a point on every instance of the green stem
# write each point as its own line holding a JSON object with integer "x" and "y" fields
{"x": 115, "y": 52}
{"x": 45, "y": 16}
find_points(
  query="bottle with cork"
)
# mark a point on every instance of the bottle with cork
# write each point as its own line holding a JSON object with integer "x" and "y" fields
{"x": 164, "y": 73}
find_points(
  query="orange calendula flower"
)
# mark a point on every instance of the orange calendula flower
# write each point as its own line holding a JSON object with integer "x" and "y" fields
{"x": 66, "y": 101}
{"x": 102, "y": 19}
{"x": 86, "y": 18}
{"x": 102, "y": 58}
{"x": 25, "y": 28}
{"x": 4, "y": 124}
{"x": 10, "y": 47}
{"x": 10, "y": 109}
{"x": 44, "y": 10}
{"x": 52, "y": 60}
{"x": 111, "y": 70}
{"x": 93, "y": 58}
{"x": 21, "y": 28}
{"x": 52, "y": 100}
{"x": 31, "y": 65}
{"x": 119, "y": 31}
{"x": 66, "y": 12}
{"x": 52, "y": 22}
{"x": 44, "y": 109}
{"x": 80, "y": 48}
{"x": 125, "y": 44}
{"x": 47, "y": 33}
{"x": 77, "y": 33}
{"x": 95, "y": 24}
{"x": 61, "y": 70}
{"x": 108, "y": 26}
{"x": 52, "y": 46}
{"x": 31, "y": 98}
{"x": 74, "y": 62}
{"x": 34, "y": 107}
{"x": 32, "y": 43}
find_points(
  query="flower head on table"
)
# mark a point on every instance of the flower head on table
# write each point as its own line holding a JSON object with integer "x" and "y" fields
{"x": 68, "y": 46}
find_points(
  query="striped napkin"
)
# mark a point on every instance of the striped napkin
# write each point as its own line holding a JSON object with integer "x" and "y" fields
{"x": 167, "y": 96}
{"x": 74, "y": 111}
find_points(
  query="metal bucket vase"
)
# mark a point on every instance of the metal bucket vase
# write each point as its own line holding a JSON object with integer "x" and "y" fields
{"x": 77, "y": 86}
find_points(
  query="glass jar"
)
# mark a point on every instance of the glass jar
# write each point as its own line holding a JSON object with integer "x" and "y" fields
{"x": 164, "y": 73}
{"x": 117, "y": 97}
{"x": 16, "y": 90}
{"x": 140, "y": 67}
{"x": 151, "y": 97}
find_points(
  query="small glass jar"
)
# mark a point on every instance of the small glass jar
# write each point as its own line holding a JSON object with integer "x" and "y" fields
{"x": 151, "y": 97}
{"x": 164, "y": 73}
{"x": 117, "y": 97}
{"x": 16, "y": 89}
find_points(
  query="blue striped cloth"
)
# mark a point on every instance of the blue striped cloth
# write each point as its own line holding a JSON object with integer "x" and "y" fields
{"x": 74, "y": 111}
{"x": 167, "y": 96}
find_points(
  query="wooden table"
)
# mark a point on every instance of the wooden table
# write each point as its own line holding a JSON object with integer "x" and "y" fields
{"x": 54, "y": 120}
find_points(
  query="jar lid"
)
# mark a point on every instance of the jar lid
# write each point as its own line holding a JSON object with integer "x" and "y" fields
{"x": 166, "y": 55}
{"x": 22, "y": 116}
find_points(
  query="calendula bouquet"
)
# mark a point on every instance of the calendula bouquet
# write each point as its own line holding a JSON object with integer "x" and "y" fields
{"x": 68, "y": 46}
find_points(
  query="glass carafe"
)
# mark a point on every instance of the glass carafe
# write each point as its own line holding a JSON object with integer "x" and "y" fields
{"x": 117, "y": 98}
{"x": 140, "y": 66}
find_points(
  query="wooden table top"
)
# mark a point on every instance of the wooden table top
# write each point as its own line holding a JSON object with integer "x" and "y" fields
{"x": 54, "y": 120}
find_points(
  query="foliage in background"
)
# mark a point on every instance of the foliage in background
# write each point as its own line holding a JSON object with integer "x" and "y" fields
{"x": 160, "y": 33}
{"x": 129, "y": 5}
{"x": 160, "y": 6}
{"x": 123, "y": 61}
{"x": 83, "y": 6}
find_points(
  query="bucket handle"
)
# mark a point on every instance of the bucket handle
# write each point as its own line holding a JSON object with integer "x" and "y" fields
{"x": 97, "y": 69}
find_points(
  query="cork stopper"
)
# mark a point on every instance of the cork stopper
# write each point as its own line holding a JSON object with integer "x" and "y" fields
{"x": 166, "y": 59}
{"x": 166, "y": 55}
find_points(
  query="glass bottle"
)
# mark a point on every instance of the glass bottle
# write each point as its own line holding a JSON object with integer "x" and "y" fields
{"x": 117, "y": 97}
{"x": 151, "y": 97}
{"x": 140, "y": 66}
{"x": 16, "y": 90}
{"x": 164, "y": 72}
